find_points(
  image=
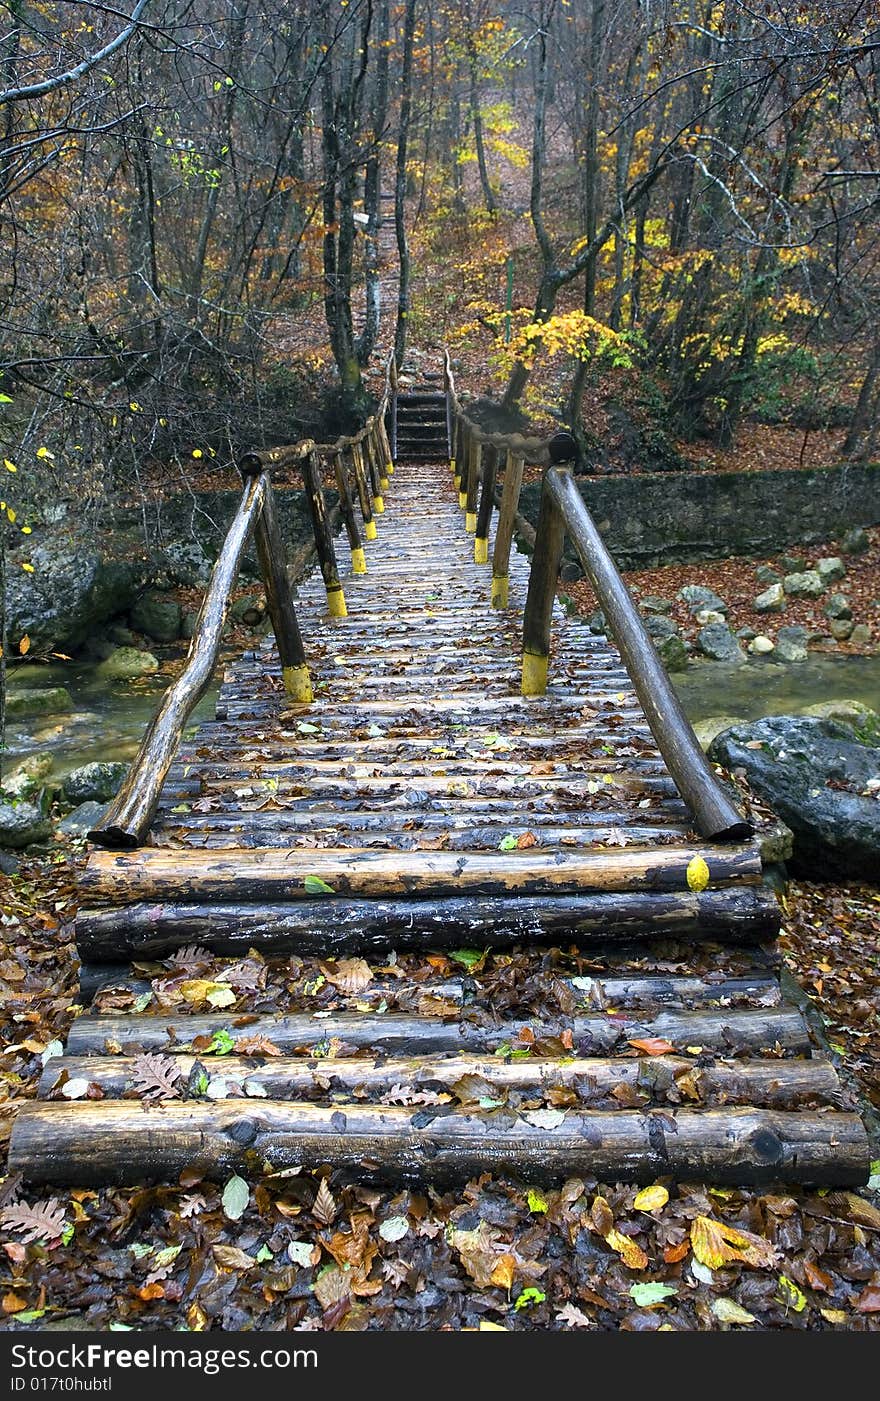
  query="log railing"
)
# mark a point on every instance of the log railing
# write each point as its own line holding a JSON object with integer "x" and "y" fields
{"x": 475, "y": 455}
{"x": 127, "y": 820}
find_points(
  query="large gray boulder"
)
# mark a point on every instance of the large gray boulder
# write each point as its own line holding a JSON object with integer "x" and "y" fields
{"x": 157, "y": 617}
{"x": 126, "y": 663}
{"x": 698, "y": 597}
{"x": 716, "y": 641}
{"x": 806, "y": 583}
{"x": 94, "y": 782}
{"x": 22, "y": 824}
{"x": 822, "y": 781}
{"x": 75, "y": 587}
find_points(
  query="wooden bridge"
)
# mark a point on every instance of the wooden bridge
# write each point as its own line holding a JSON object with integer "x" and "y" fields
{"x": 396, "y": 771}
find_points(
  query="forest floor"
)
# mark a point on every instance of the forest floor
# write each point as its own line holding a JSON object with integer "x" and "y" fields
{"x": 495, "y": 1254}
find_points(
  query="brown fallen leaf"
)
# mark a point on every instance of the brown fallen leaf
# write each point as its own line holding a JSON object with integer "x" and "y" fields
{"x": 350, "y": 975}
{"x": 716, "y": 1244}
{"x": 652, "y": 1046}
{"x": 324, "y": 1206}
{"x": 231, "y": 1258}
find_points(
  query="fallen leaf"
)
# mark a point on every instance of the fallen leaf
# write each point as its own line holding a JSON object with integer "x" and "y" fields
{"x": 324, "y": 1206}
{"x": 632, "y": 1254}
{"x": 729, "y": 1311}
{"x": 652, "y": 1046}
{"x": 236, "y": 1195}
{"x": 697, "y": 874}
{"x": 716, "y": 1244}
{"x": 652, "y": 1292}
{"x": 503, "y": 1272}
{"x": 651, "y": 1198}
{"x": 231, "y": 1258}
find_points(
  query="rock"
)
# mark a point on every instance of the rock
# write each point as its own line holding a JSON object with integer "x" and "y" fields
{"x": 838, "y": 606}
{"x": 22, "y": 824}
{"x": 706, "y": 730}
{"x": 855, "y": 541}
{"x": 791, "y": 644}
{"x": 860, "y": 717}
{"x": 28, "y": 777}
{"x": 120, "y": 636}
{"x": 9, "y": 864}
{"x": 250, "y": 609}
{"x": 569, "y": 572}
{"x": 772, "y": 600}
{"x": 709, "y": 615}
{"x": 188, "y": 626}
{"x": 596, "y": 623}
{"x": 652, "y": 603}
{"x": 806, "y": 584}
{"x": 776, "y": 843}
{"x": 673, "y": 653}
{"x": 746, "y": 634}
{"x": 765, "y": 575}
{"x": 792, "y": 564}
{"x": 836, "y": 829}
{"x": 860, "y": 635}
{"x": 83, "y": 819}
{"x": 156, "y": 617}
{"x": 74, "y": 588}
{"x": 841, "y": 629}
{"x": 761, "y": 646}
{"x": 660, "y": 627}
{"x": 716, "y": 641}
{"x": 50, "y": 700}
{"x": 830, "y": 569}
{"x": 126, "y": 663}
{"x": 697, "y": 596}
{"x": 94, "y": 782}
{"x": 185, "y": 562}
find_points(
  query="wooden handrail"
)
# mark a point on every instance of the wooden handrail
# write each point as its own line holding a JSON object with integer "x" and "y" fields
{"x": 564, "y": 512}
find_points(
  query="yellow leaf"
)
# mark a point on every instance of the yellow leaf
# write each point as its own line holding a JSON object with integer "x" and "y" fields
{"x": 135, "y": 407}
{"x": 28, "y": 568}
{"x": 24, "y": 645}
{"x": 44, "y": 452}
{"x": 10, "y": 515}
{"x": 487, "y": 1327}
{"x": 716, "y": 1244}
{"x": 632, "y": 1255}
{"x": 651, "y": 1198}
{"x": 10, "y": 466}
{"x": 25, "y": 530}
{"x": 198, "y": 990}
{"x": 197, "y": 452}
{"x": 502, "y": 1274}
{"x": 729, "y": 1311}
{"x": 697, "y": 874}
{"x": 790, "y": 1295}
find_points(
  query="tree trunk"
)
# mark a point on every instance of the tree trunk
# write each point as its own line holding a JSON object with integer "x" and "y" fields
{"x": 860, "y": 423}
{"x": 400, "y": 332}
{"x": 373, "y": 194}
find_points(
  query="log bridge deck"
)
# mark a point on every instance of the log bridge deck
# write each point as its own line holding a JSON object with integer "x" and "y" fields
{"x": 420, "y": 801}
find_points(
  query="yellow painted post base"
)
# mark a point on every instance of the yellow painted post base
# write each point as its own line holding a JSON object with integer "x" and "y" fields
{"x": 383, "y": 482}
{"x": 481, "y": 550}
{"x": 500, "y": 591}
{"x": 378, "y": 506}
{"x": 358, "y": 562}
{"x": 389, "y": 469}
{"x": 336, "y": 603}
{"x": 470, "y": 521}
{"x": 298, "y": 684}
{"x": 534, "y": 674}
{"x": 370, "y": 531}
{"x": 462, "y": 499}
{"x": 452, "y": 467}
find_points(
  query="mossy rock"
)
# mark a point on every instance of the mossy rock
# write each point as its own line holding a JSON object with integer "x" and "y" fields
{"x": 49, "y": 700}
{"x": 127, "y": 663}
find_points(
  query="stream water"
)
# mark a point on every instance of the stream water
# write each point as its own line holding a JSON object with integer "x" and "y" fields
{"x": 108, "y": 721}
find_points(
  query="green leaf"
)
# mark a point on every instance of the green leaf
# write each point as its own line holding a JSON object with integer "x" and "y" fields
{"x": 468, "y": 957}
{"x": 221, "y": 1043}
{"x": 68, "y": 1233}
{"x": 528, "y": 1297}
{"x": 507, "y": 843}
{"x": 537, "y": 1203}
{"x": 264, "y": 1254}
{"x": 873, "y": 1180}
{"x": 143, "y": 1001}
{"x": 394, "y": 1228}
{"x": 315, "y": 886}
{"x": 647, "y": 1294}
{"x": 305, "y": 727}
{"x": 28, "y": 1315}
{"x": 5, "y": 399}
{"x": 236, "y": 1195}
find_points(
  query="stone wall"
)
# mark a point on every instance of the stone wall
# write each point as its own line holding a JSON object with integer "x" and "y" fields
{"x": 682, "y": 517}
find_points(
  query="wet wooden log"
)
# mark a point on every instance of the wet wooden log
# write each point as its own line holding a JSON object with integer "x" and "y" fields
{"x": 314, "y": 494}
{"x": 715, "y": 814}
{"x": 346, "y": 505}
{"x": 775, "y": 1084}
{"x": 363, "y": 491}
{"x": 273, "y": 567}
{"x": 507, "y": 513}
{"x": 474, "y": 477}
{"x": 121, "y": 1142}
{"x": 127, "y": 820}
{"x": 728, "y": 1030}
{"x": 270, "y": 875}
{"x": 487, "y": 501}
{"x": 747, "y": 915}
{"x": 374, "y": 475}
{"x": 538, "y": 612}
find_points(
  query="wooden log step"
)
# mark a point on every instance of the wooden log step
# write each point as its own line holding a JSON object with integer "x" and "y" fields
{"x": 122, "y": 1142}
{"x": 772, "y": 1084}
{"x": 225, "y": 767}
{"x": 736, "y": 915}
{"x": 578, "y": 746}
{"x": 570, "y": 788}
{"x": 413, "y": 804}
{"x": 245, "y": 875}
{"x": 727, "y": 1031}
{"x": 261, "y": 829}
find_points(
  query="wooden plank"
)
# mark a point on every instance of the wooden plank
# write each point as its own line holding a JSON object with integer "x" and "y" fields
{"x": 121, "y": 1142}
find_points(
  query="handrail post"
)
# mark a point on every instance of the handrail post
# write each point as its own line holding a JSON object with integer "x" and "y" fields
{"x": 475, "y": 459}
{"x": 464, "y": 462}
{"x": 346, "y": 505}
{"x": 323, "y": 538}
{"x": 363, "y": 491}
{"x": 392, "y": 384}
{"x": 458, "y": 451}
{"x": 384, "y": 448}
{"x": 487, "y": 501}
{"x": 374, "y": 478}
{"x": 288, "y": 638}
{"x": 538, "y": 612}
{"x": 513, "y": 475}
